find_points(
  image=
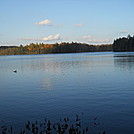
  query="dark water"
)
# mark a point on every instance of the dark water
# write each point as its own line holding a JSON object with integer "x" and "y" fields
{"x": 59, "y": 85}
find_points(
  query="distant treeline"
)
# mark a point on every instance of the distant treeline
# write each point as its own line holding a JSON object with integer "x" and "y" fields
{"x": 5, "y": 47}
{"x": 124, "y": 44}
{"x": 64, "y": 47}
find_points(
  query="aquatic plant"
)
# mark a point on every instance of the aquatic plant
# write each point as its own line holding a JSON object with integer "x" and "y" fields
{"x": 64, "y": 126}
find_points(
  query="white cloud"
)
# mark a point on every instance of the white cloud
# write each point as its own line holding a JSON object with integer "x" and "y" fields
{"x": 48, "y": 38}
{"x": 28, "y": 39}
{"x": 44, "y": 22}
{"x": 122, "y": 32}
{"x": 86, "y": 37}
{"x": 99, "y": 40}
{"x": 52, "y": 37}
{"x": 78, "y": 25}
{"x": 89, "y": 39}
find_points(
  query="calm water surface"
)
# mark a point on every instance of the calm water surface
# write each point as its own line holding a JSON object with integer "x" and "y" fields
{"x": 59, "y": 85}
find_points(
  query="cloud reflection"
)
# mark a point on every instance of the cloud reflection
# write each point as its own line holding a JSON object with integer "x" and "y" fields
{"x": 47, "y": 84}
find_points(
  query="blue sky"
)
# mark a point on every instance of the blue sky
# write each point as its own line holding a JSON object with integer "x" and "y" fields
{"x": 51, "y": 21}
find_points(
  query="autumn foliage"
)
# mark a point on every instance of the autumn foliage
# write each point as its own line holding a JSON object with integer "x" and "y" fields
{"x": 64, "y": 47}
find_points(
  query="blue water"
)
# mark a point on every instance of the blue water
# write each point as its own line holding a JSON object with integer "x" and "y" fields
{"x": 59, "y": 85}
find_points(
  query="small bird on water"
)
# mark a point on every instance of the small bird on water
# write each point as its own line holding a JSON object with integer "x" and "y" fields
{"x": 15, "y": 71}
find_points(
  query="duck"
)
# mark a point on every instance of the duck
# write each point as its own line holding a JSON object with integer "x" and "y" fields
{"x": 15, "y": 71}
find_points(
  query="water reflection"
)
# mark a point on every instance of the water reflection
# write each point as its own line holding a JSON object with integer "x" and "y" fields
{"x": 124, "y": 61}
{"x": 46, "y": 65}
{"x": 47, "y": 84}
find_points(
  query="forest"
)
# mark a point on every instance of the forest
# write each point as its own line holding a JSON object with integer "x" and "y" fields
{"x": 125, "y": 44}
{"x": 64, "y": 47}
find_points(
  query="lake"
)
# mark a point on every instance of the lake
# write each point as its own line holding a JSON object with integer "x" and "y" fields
{"x": 92, "y": 85}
